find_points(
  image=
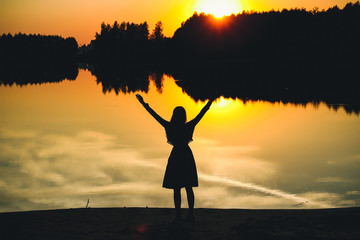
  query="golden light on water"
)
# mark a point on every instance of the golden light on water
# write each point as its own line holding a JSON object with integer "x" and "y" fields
{"x": 106, "y": 147}
{"x": 231, "y": 110}
{"x": 218, "y": 8}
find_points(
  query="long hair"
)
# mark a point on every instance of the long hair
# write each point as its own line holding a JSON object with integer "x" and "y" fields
{"x": 179, "y": 116}
{"x": 175, "y": 132}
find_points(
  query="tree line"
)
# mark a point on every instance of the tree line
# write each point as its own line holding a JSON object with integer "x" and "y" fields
{"x": 37, "y": 48}
{"x": 281, "y": 36}
{"x": 36, "y": 59}
{"x": 124, "y": 42}
{"x": 286, "y": 35}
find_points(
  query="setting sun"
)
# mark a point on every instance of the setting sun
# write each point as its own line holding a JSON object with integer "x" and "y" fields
{"x": 218, "y": 8}
{"x": 226, "y": 106}
{"x": 222, "y": 102}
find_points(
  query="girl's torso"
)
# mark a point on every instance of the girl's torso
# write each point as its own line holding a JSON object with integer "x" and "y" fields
{"x": 180, "y": 135}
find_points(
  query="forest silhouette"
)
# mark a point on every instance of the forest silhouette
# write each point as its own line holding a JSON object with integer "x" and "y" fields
{"x": 291, "y": 56}
{"x": 23, "y": 48}
{"x": 294, "y": 35}
{"x": 36, "y": 59}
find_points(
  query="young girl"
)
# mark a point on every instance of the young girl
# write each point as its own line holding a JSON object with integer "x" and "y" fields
{"x": 181, "y": 169}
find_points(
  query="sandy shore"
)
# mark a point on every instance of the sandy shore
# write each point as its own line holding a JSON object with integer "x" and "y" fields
{"x": 155, "y": 223}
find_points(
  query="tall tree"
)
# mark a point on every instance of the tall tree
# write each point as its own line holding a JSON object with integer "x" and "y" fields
{"x": 157, "y": 34}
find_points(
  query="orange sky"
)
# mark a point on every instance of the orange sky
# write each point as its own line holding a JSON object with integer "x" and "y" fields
{"x": 82, "y": 18}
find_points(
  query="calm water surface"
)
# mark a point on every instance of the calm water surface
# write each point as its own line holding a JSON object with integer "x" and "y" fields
{"x": 64, "y": 143}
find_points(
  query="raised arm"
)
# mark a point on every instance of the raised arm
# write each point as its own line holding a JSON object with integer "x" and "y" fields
{"x": 162, "y": 121}
{"x": 202, "y": 112}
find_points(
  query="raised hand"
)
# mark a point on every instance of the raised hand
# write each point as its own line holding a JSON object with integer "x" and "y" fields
{"x": 140, "y": 98}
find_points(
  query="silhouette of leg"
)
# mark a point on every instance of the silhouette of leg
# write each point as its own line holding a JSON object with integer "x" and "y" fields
{"x": 191, "y": 201}
{"x": 177, "y": 202}
{"x": 190, "y": 197}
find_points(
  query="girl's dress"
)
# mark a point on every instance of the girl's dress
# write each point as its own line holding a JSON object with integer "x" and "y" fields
{"x": 181, "y": 169}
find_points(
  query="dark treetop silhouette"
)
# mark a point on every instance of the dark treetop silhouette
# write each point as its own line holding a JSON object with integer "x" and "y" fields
{"x": 285, "y": 36}
{"x": 23, "y": 48}
{"x": 181, "y": 169}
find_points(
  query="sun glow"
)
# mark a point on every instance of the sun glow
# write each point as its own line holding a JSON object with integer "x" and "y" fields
{"x": 218, "y": 8}
{"x": 222, "y": 102}
{"x": 225, "y": 106}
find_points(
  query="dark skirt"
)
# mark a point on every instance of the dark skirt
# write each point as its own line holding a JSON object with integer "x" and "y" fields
{"x": 181, "y": 169}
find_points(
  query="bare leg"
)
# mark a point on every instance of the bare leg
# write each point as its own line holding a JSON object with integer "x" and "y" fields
{"x": 191, "y": 201}
{"x": 177, "y": 202}
{"x": 190, "y": 197}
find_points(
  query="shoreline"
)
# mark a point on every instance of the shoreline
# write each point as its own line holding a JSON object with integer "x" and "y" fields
{"x": 184, "y": 209}
{"x": 155, "y": 223}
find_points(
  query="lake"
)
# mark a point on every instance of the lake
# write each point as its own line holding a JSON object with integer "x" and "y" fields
{"x": 64, "y": 143}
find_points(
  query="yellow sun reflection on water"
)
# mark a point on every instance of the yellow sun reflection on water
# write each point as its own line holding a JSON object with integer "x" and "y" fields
{"x": 218, "y": 8}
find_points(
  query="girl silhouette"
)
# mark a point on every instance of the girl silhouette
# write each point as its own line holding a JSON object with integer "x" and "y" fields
{"x": 181, "y": 169}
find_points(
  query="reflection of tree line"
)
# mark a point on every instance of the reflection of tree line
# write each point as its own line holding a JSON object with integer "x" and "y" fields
{"x": 24, "y": 74}
{"x": 126, "y": 78}
{"x": 296, "y": 85}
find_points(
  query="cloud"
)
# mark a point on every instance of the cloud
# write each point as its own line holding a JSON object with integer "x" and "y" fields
{"x": 233, "y": 160}
{"x": 42, "y": 171}
{"x": 334, "y": 180}
{"x": 11, "y": 134}
{"x": 275, "y": 192}
{"x": 330, "y": 199}
{"x": 354, "y": 193}
{"x": 219, "y": 197}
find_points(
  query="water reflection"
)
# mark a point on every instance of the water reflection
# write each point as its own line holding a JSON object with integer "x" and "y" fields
{"x": 88, "y": 145}
{"x": 126, "y": 79}
{"x": 338, "y": 89}
{"x": 24, "y": 74}
{"x": 297, "y": 84}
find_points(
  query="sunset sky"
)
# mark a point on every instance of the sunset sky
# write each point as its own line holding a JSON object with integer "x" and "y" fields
{"x": 82, "y": 18}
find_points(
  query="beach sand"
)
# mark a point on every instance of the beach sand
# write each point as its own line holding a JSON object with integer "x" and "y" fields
{"x": 155, "y": 223}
